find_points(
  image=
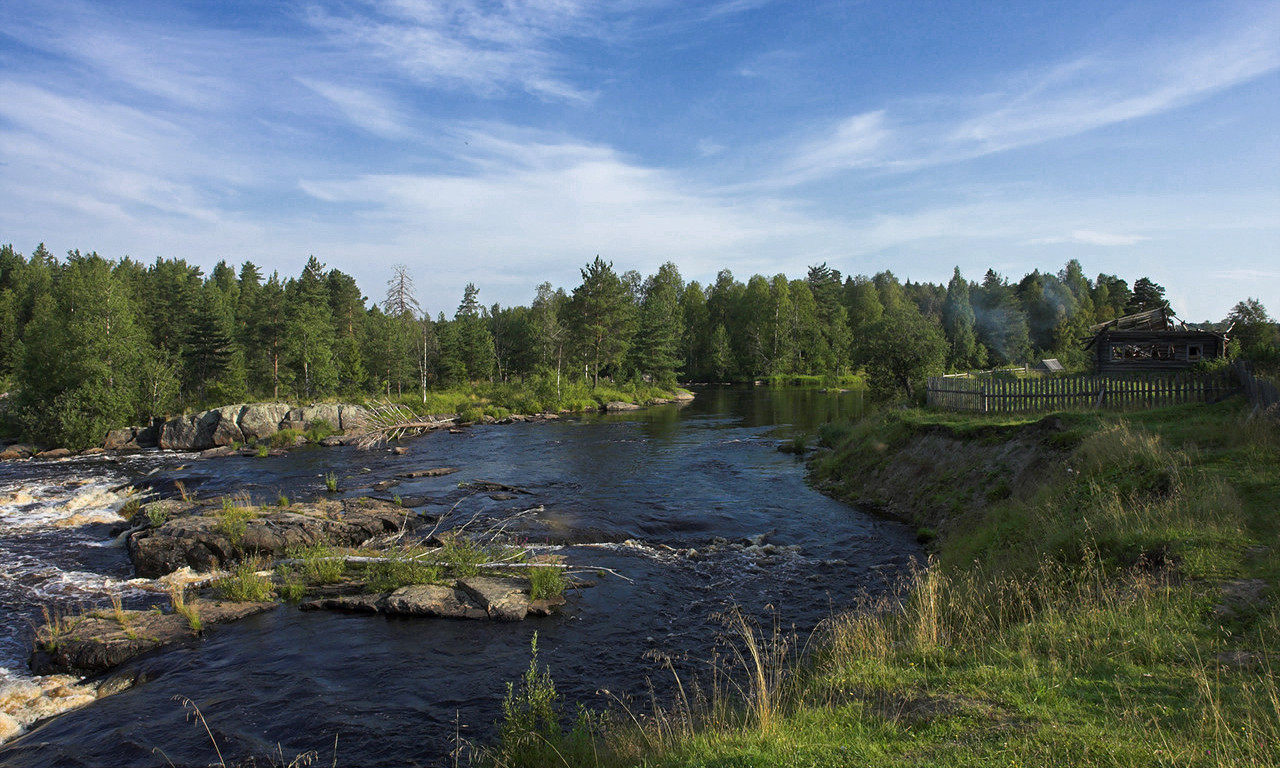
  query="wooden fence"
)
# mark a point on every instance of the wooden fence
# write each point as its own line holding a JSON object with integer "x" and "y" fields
{"x": 962, "y": 393}
{"x": 1262, "y": 394}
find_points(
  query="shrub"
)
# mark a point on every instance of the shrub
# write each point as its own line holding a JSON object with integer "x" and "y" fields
{"x": 285, "y": 438}
{"x": 178, "y": 599}
{"x": 331, "y": 482}
{"x": 545, "y": 582}
{"x": 319, "y": 430}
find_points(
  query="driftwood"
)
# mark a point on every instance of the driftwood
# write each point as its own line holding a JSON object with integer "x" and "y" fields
{"x": 389, "y": 421}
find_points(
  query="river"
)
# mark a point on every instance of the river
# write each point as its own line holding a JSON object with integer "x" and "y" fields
{"x": 660, "y": 496}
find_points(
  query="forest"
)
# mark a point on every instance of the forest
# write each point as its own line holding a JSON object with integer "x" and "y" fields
{"x": 89, "y": 343}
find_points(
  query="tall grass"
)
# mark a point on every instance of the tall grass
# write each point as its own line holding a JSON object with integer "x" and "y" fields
{"x": 1072, "y": 626}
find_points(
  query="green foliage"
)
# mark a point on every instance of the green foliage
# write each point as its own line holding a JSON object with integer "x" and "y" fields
{"x": 531, "y": 733}
{"x": 318, "y": 430}
{"x": 286, "y": 438}
{"x": 233, "y": 519}
{"x": 331, "y": 482}
{"x": 91, "y": 344}
{"x": 904, "y": 347}
{"x": 546, "y": 582}
{"x": 396, "y": 572}
{"x": 245, "y": 584}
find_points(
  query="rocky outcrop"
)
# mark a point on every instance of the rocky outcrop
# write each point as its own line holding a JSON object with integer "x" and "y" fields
{"x": 503, "y": 599}
{"x": 98, "y": 641}
{"x": 204, "y": 537}
{"x": 234, "y": 424}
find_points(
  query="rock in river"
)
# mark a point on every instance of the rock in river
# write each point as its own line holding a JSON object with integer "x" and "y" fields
{"x": 98, "y": 641}
{"x": 203, "y": 536}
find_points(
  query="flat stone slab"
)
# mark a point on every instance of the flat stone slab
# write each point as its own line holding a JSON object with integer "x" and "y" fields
{"x": 99, "y": 640}
{"x": 504, "y": 599}
{"x": 433, "y": 472}
{"x": 434, "y": 600}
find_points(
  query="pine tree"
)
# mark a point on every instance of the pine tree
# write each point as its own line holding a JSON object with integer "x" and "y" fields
{"x": 958, "y": 323}
{"x": 309, "y": 333}
{"x": 475, "y": 341}
{"x": 601, "y": 313}
{"x": 660, "y": 326}
{"x": 206, "y": 344}
{"x": 1147, "y": 295}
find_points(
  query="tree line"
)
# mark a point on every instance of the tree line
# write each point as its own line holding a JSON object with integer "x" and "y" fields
{"x": 89, "y": 343}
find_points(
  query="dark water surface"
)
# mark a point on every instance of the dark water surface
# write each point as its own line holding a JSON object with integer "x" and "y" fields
{"x": 632, "y": 492}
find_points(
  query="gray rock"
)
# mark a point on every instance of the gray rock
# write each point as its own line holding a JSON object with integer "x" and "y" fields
{"x": 189, "y": 433}
{"x": 618, "y": 405}
{"x": 353, "y": 603}
{"x": 19, "y": 451}
{"x": 504, "y": 599}
{"x": 434, "y": 600}
{"x": 330, "y": 413}
{"x": 259, "y": 421}
{"x": 119, "y": 439}
{"x": 194, "y": 536}
{"x": 226, "y": 430}
{"x": 352, "y": 418}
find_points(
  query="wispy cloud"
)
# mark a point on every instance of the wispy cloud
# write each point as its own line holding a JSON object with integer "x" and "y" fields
{"x": 363, "y": 108}
{"x": 486, "y": 48}
{"x": 1090, "y": 237}
{"x": 1079, "y": 95}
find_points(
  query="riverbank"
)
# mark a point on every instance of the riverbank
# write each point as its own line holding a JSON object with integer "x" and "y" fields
{"x": 265, "y": 426}
{"x": 1102, "y": 593}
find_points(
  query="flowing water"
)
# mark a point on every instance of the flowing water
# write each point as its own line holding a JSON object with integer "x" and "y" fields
{"x": 660, "y": 496}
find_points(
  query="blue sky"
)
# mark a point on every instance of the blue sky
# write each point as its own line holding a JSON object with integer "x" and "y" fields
{"x": 507, "y": 143}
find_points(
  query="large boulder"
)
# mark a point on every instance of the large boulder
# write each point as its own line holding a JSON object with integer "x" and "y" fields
{"x": 354, "y": 418}
{"x": 226, "y": 430}
{"x": 330, "y": 413}
{"x": 18, "y": 451}
{"x": 120, "y": 439}
{"x": 619, "y": 405}
{"x": 189, "y": 433}
{"x": 198, "y": 535}
{"x": 258, "y": 421}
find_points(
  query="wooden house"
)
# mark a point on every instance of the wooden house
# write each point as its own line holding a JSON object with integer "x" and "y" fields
{"x": 1152, "y": 341}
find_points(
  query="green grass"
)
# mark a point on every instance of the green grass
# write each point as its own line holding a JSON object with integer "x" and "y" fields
{"x": 392, "y": 574}
{"x": 499, "y": 400}
{"x": 233, "y": 518}
{"x": 1079, "y": 621}
{"x": 245, "y": 584}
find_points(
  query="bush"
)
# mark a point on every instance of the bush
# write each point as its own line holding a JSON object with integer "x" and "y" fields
{"x": 285, "y": 438}
{"x": 545, "y": 583}
{"x": 319, "y": 430}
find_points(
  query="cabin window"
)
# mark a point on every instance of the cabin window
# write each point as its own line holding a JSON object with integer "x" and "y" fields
{"x": 1195, "y": 352}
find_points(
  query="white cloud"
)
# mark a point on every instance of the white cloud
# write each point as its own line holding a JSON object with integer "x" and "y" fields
{"x": 364, "y": 109}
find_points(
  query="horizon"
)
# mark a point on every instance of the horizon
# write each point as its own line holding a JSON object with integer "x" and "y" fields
{"x": 508, "y": 144}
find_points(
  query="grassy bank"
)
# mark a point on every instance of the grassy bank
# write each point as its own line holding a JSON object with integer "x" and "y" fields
{"x": 537, "y": 395}
{"x": 1101, "y": 594}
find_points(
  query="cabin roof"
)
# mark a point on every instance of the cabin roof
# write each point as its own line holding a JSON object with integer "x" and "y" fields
{"x": 1158, "y": 322}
